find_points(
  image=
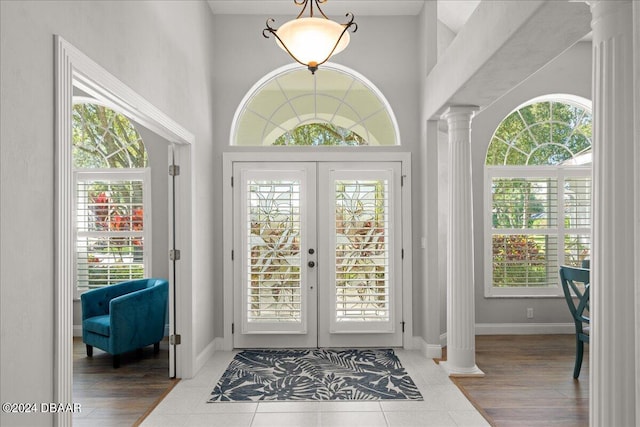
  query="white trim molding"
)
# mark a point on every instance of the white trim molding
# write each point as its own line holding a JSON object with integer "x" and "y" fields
{"x": 518, "y": 329}
{"x": 524, "y": 328}
{"x": 430, "y": 351}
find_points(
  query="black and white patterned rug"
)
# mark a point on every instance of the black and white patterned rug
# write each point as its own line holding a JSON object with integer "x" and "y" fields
{"x": 315, "y": 374}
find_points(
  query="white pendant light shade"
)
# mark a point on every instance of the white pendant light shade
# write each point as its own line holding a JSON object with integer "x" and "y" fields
{"x": 312, "y": 40}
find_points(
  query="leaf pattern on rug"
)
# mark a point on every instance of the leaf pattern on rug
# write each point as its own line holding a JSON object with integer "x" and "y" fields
{"x": 315, "y": 374}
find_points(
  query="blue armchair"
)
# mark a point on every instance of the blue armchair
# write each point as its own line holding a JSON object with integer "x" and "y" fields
{"x": 125, "y": 316}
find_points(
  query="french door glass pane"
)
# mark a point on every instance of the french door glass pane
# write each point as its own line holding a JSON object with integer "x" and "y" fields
{"x": 273, "y": 251}
{"x": 362, "y": 251}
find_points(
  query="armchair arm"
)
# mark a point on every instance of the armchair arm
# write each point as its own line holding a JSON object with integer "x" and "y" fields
{"x": 96, "y": 301}
{"x": 138, "y": 318}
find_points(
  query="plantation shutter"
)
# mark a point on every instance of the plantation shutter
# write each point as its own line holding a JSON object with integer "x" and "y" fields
{"x": 112, "y": 227}
{"x": 577, "y": 220}
{"x": 539, "y": 219}
{"x": 525, "y": 242}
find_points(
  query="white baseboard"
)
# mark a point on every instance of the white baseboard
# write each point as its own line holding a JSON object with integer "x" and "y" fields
{"x": 524, "y": 328}
{"x": 518, "y": 329}
{"x": 430, "y": 351}
{"x": 218, "y": 344}
{"x": 204, "y": 356}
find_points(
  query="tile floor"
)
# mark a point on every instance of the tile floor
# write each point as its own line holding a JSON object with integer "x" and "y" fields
{"x": 443, "y": 405}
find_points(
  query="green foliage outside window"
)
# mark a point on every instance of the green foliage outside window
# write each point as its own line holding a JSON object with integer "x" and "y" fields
{"x": 320, "y": 134}
{"x": 105, "y": 139}
{"x": 544, "y": 133}
{"x": 548, "y": 133}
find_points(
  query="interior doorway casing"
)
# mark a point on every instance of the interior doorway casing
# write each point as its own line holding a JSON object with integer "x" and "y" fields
{"x": 74, "y": 69}
{"x": 341, "y": 155}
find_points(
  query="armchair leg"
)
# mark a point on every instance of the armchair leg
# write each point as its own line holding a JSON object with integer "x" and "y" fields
{"x": 579, "y": 353}
{"x": 116, "y": 361}
{"x": 89, "y": 351}
{"x": 156, "y": 347}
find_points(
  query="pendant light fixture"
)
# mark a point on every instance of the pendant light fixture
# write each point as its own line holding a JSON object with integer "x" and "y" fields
{"x": 311, "y": 40}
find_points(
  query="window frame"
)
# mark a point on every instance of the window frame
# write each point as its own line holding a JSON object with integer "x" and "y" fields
{"x": 114, "y": 174}
{"x": 559, "y": 173}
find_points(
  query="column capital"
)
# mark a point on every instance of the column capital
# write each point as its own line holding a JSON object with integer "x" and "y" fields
{"x": 458, "y": 118}
{"x": 602, "y": 9}
{"x": 460, "y": 111}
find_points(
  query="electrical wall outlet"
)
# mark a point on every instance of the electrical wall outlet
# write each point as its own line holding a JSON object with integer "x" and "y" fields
{"x": 530, "y": 313}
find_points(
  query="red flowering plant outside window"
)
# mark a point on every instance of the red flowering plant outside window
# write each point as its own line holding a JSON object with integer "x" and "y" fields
{"x": 110, "y": 216}
{"x": 111, "y": 231}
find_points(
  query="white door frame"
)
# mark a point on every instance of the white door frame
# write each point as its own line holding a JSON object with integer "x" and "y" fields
{"x": 351, "y": 155}
{"x": 75, "y": 69}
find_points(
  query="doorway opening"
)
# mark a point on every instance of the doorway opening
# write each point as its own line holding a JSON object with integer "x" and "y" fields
{"x": 75, "y": 71}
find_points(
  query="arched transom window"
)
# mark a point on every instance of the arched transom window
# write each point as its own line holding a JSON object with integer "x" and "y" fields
{"x": 334, "y": 106}
{"x": 104, "y": 138}
{"x": 538, "y": 196}
{"x": 542, "y": 133}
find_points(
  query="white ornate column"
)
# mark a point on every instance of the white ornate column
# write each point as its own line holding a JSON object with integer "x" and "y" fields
{"x": 461, "y": 348}
{"x": 612, "y": 346}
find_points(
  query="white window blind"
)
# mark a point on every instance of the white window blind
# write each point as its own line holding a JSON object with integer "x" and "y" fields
{"x": 112, "y": 227}
{"x": 538, "y": 218}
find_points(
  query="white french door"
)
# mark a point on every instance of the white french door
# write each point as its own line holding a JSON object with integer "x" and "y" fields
{"x": 317, "y": 254}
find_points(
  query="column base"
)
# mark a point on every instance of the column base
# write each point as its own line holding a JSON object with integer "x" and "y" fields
{"x": 454, "y": 371}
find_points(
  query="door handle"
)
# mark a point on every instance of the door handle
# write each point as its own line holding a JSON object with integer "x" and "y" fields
{"x": 311, "y": 264}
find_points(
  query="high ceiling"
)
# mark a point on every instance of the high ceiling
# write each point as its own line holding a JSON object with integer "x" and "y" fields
{"x": 453, "y": 13}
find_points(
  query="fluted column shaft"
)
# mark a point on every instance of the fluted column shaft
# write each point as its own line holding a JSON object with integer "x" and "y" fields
{"x": 612, "y": 348}
{"x": 460, "y": 284}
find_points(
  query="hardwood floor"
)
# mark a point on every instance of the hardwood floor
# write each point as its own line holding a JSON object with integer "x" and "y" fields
{"x": 529, "y": 381}
{"x": 123, "y": 396}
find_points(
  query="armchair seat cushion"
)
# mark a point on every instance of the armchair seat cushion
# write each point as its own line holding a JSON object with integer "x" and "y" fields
{"x": 98, "y": 325}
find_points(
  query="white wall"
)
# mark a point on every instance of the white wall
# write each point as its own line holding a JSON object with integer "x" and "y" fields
{"x": 163, "y": 50}
{"x": 385, "y": 50}
{"x": 570, "y": 73}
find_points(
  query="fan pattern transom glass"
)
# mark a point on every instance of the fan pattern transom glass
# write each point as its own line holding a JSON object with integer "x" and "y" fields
{"x": 543, "y": 133}
{"x": 331, "y": 107}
